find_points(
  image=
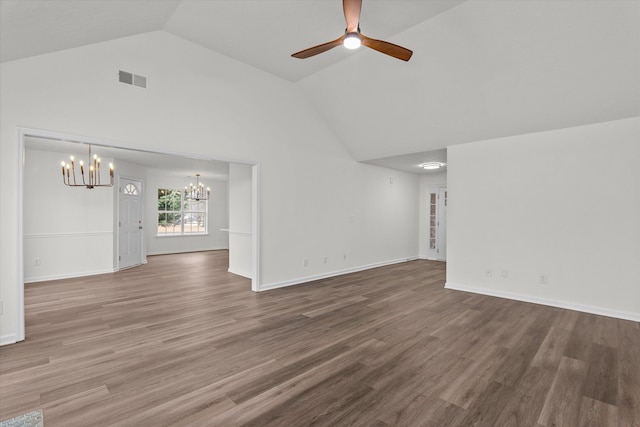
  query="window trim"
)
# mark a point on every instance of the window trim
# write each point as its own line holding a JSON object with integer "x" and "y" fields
{"x": 182, "y": 212}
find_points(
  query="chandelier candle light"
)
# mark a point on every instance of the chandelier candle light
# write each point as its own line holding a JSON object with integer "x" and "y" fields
{"x": 69, "y": 173}
{"x": 196, "y": 192}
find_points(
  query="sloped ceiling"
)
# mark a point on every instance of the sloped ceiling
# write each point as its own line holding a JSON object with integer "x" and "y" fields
{"x": 487, "y": 69}
{"x": 261, "y": 33}
{"x": 34, "y": 27}
{"x": 481, "y": 68}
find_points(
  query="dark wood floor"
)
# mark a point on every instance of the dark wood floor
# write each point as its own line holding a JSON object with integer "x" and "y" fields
{"x": 180, "y": 341}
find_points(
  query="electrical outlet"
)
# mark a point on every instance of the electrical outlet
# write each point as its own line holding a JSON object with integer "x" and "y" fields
{"x": 1, "y": 307}
{"x": 488, "y": 272}
{"x": 344, "y": 257}
{"x": 504, "y": 273}
{"x": 305, "y": 262}
{"x": 36, "y": 262}
{"x": 543, "y": 279}
{"x": 324, "y": 259}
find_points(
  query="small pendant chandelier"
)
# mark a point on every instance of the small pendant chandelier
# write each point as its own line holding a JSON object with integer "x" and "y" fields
{"x": 93, "y": 174}
{"x": 196, "y": 192}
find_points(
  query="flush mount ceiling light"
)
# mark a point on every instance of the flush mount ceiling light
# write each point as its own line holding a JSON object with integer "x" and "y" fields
{"x": 432, "y": 165}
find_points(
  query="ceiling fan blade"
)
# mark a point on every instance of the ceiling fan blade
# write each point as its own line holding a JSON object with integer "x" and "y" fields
{"x": 387, "y": 48}
{"x": 352, "y": 14}
{"x": 312, "y": 51}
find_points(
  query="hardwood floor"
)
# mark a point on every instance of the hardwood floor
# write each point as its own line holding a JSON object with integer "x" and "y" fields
{"x": 180, "y": 341}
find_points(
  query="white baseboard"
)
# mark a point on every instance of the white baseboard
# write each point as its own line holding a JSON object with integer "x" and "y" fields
{"x": 67, "y": 276}
{"x": 8, "y": 339}
{"x": 184, "y": 251}
{"x": 428, "y": 258}
{"x": 635, "y": 317}
{"x": 240, "y": 273}
{"x": 270, "y": 286}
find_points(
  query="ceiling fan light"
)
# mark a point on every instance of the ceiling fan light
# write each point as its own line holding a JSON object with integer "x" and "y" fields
{"x": 432, "y": 165}
{"x": 352, "y": 41}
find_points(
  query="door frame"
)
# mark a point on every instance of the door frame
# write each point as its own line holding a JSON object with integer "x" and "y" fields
{"x": 23, "y": 132}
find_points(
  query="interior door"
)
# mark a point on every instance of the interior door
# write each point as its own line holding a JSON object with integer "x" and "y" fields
{"x": 130, "y": 223}
{"x": 442, "y": 223}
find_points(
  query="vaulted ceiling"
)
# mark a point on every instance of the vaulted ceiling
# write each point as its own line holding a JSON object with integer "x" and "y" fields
{"x": 481, "y": 68}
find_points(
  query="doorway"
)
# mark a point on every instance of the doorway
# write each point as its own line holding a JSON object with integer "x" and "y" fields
{"x": 23, "y": 134}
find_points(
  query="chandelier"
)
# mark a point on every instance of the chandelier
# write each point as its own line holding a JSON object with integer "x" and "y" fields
{"x": 196, "y": 192}
{"x": 93, "y": 174}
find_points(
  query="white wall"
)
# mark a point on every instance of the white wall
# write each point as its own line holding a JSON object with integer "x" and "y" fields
{"x": 427, "y": 183}
{"x": 217, "y": 218}
{"x": 564, "y": 203}
{"x": 368, "y": 220}
{"x": 67, "y": 231}
{"x": 200, "y": 102}
{"x": 240, "y": 220}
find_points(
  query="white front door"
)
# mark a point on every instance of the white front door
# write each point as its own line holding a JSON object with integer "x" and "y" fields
{"x": 130, "y": 223}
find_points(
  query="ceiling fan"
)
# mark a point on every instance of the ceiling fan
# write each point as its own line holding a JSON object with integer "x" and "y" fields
{"x": 352, "y": 37}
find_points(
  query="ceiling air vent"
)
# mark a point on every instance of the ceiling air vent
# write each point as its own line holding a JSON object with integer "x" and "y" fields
{"x": 132, "y": 79}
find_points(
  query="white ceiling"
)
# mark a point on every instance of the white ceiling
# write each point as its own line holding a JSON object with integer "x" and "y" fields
{"x": 481, "y": 69}
{"x": 262, "y": 33}
{"x": 167, "y": 163}
{"x": 412, "y": 162}
{"x": 34, "y": 27}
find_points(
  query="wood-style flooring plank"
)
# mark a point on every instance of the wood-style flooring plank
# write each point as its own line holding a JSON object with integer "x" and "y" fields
{"x": 628, "y": 403}
{"x": 602, "y": 377}
{"x": 523, "y": 407}
{"x": 181, "y": 341}
{"x": 594, "y": 413}
{"x": 564, "y": 400}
